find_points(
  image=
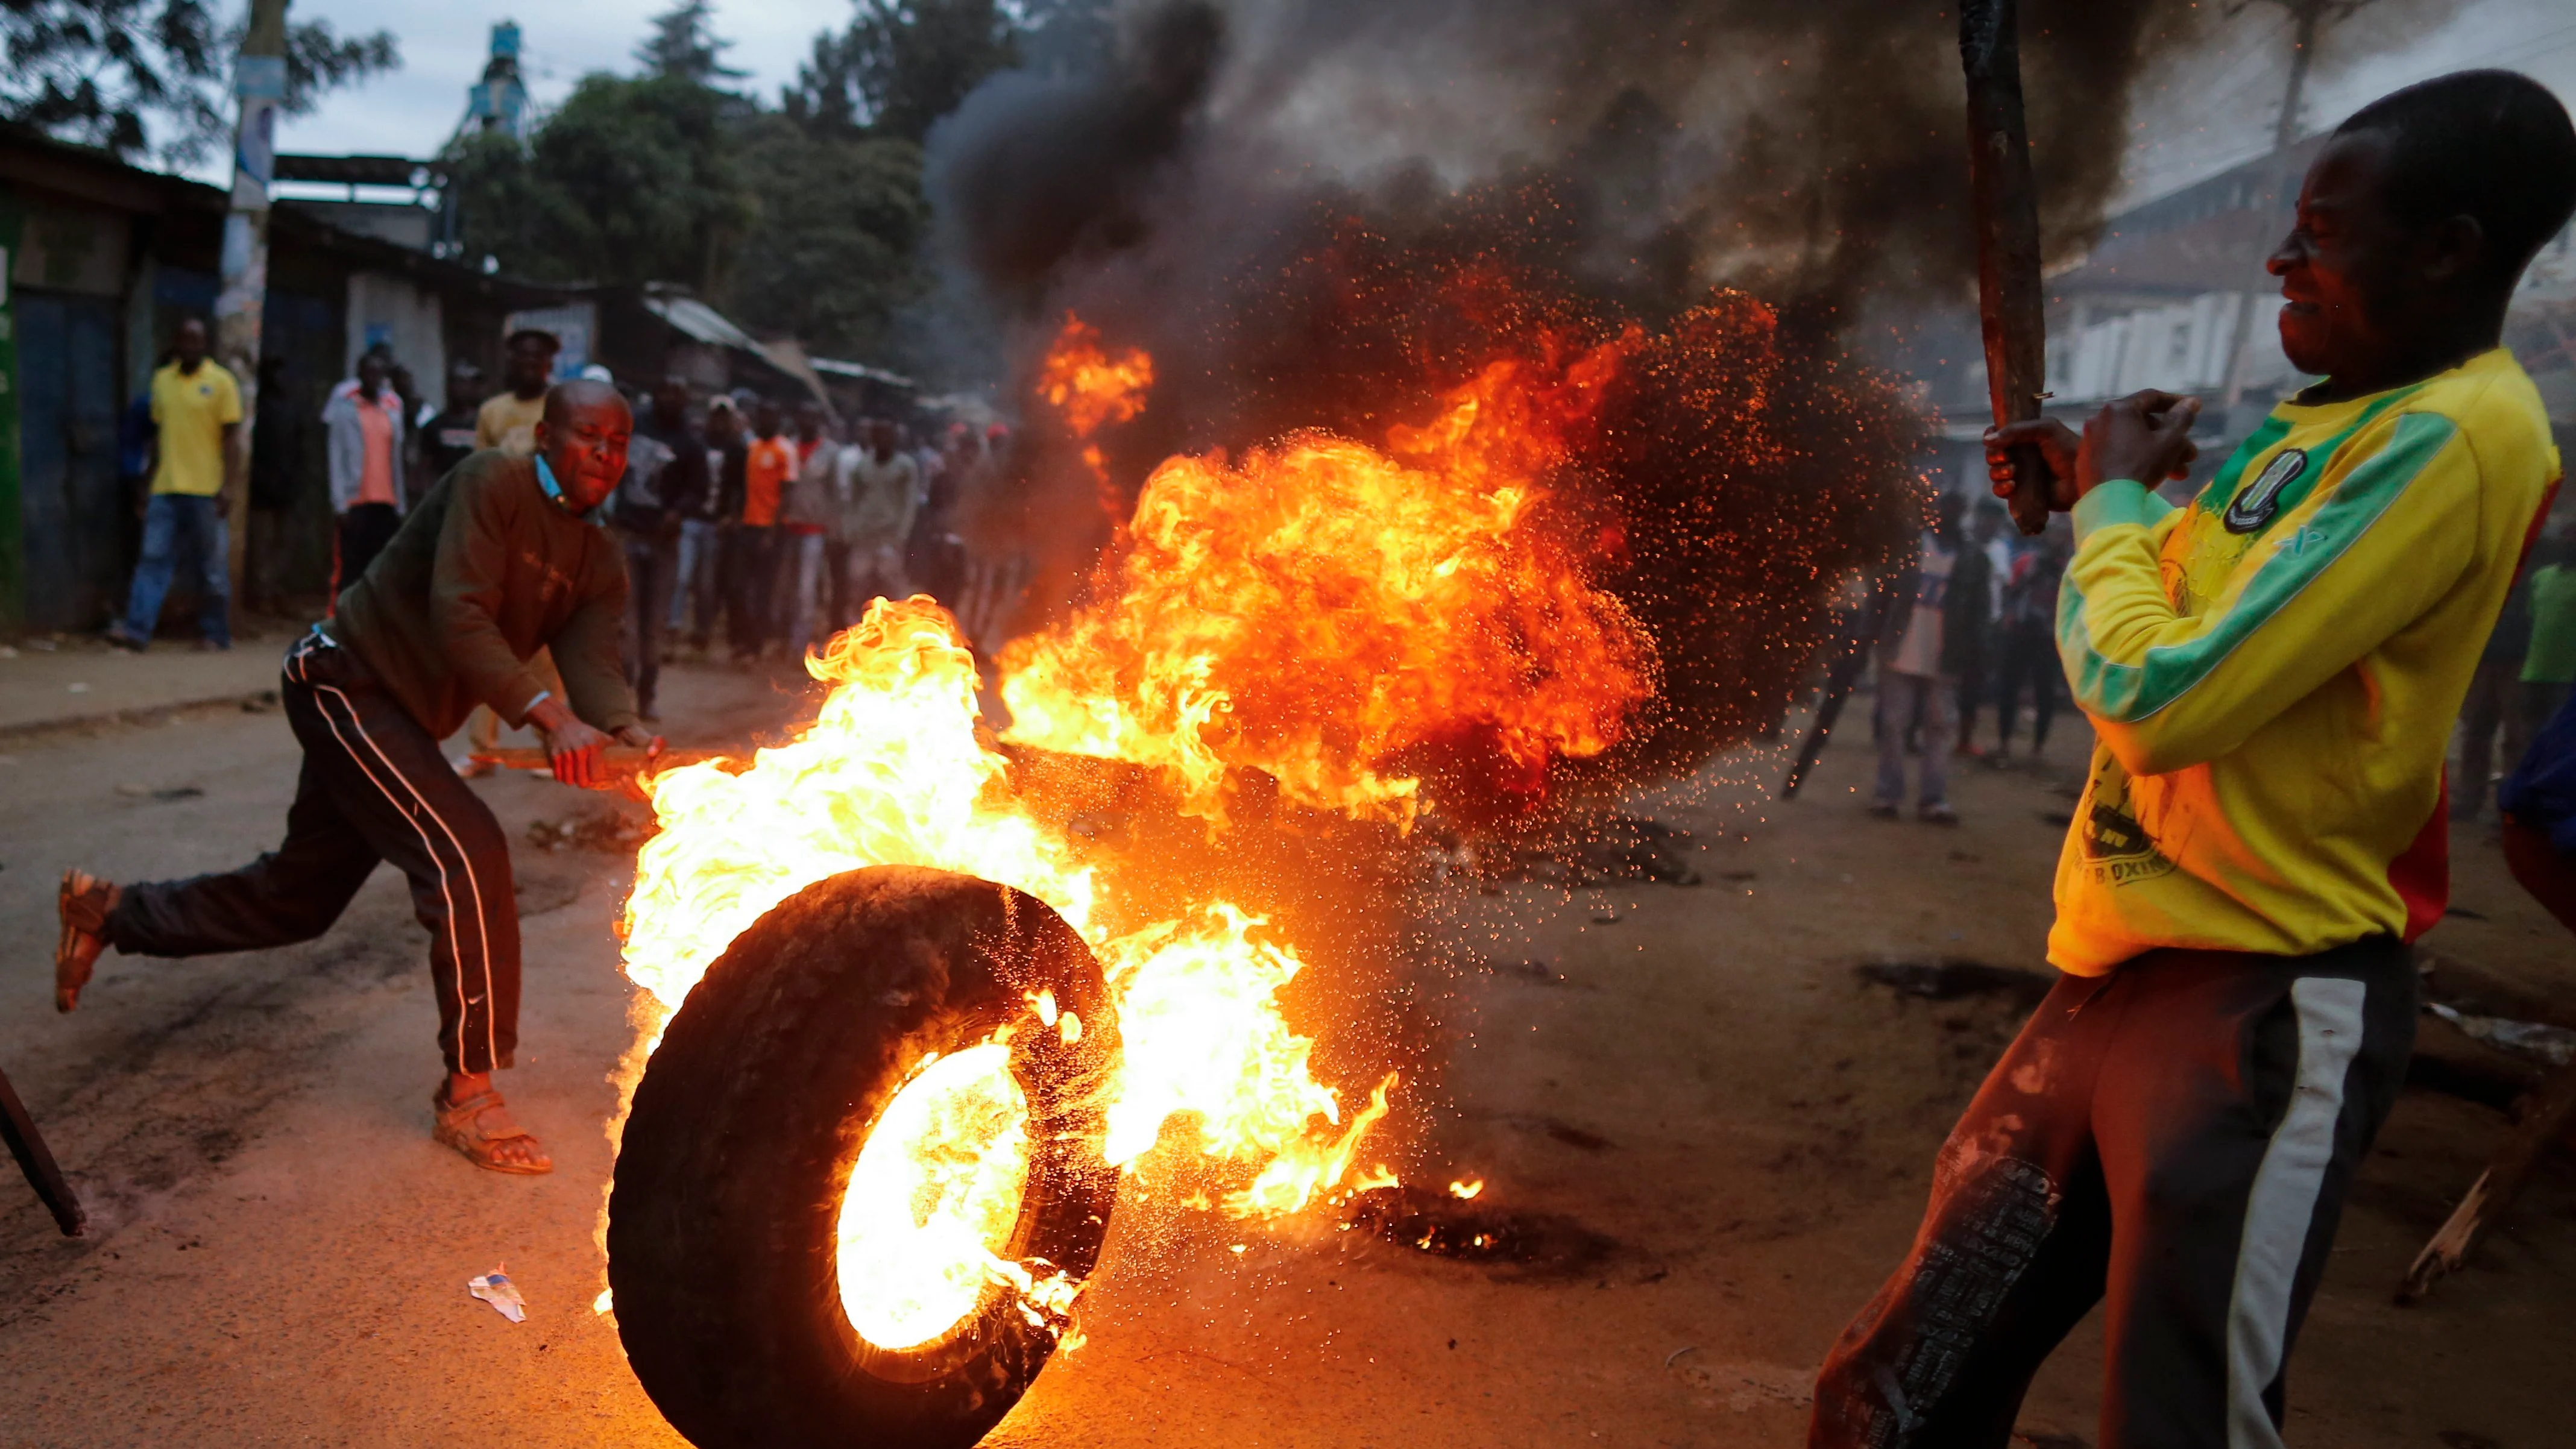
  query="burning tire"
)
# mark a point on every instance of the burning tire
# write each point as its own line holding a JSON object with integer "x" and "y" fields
{"x": 861, "y": 1177}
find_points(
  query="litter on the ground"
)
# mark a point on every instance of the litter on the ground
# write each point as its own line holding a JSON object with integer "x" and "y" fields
{"x": 496, "y": 1289}
{"x": 2555, "y": 1045}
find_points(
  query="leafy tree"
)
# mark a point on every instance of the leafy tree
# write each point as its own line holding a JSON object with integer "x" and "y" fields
{"x": 628, "y": 181}
{"x": 804, "y": 220}
{"x": 684, "y": 45}
{"x": 825, "y": 96}
{"x": 153, "y": 76}
{"x": 903, "y": 64}
{"x": 832, "y": 254}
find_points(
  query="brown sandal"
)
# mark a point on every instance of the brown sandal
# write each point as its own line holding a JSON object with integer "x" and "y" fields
{"x": 83, "y": 904}
{"x": 473, "y": 1128}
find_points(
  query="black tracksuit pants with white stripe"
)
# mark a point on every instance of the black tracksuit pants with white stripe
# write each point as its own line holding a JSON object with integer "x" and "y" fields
{"x": 2176, "y": 1138}
{"x": 374, "y": 788}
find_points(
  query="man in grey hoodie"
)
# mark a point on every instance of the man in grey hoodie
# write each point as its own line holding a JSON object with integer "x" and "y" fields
{"x": 364, "y": 423}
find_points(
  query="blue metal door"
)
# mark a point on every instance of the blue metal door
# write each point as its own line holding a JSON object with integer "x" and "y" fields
{"x": 75, "y": 512}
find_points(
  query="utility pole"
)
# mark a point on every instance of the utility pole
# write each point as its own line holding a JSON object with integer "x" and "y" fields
{"x": 259, "y": 83}
{"x": 2305, "y": 16}
{"x": 2308, "y": 18}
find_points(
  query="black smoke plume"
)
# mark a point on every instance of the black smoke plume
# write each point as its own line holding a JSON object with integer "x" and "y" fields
{"x": 1328, "y": 214}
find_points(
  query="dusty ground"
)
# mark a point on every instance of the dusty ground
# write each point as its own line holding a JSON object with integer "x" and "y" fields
{"x": 1690, "y": 1081}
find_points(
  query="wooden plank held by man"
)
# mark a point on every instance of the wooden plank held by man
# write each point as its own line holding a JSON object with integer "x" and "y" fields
{"x": 2010, "y": 305}
{"x": 618, "y": 767}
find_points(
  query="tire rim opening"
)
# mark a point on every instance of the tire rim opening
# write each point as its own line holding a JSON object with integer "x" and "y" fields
{"x": 934, "y": 1199}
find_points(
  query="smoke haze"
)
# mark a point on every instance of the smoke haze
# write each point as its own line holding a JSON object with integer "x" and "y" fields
{"x": 1329, "y": 214}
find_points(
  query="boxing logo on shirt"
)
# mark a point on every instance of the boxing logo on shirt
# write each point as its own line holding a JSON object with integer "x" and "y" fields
{"x": 2257, "y": 501}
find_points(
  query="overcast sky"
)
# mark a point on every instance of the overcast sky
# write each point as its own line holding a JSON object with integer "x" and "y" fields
{"x": 2195, "y": 117}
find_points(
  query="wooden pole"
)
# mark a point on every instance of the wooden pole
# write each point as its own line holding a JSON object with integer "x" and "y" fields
{"x": 2010, "y": 304}
{"x": 241, "y": 304}
{"x": 37, "y": 1161}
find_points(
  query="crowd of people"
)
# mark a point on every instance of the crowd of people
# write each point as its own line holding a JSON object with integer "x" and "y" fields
{"x": 750, "y": 529}
{"x": 1971, "y": 623}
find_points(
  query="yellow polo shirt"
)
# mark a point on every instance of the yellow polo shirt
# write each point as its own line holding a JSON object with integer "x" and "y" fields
{"x": 191, "y": 409}
{"x": 509, "y": 422}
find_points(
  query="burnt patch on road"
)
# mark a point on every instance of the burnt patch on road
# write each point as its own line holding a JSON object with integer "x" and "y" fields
{"x": 166, "y": 795}
{"x": 1615, "y": 848}
{"x": 1958, "y": 978}
{"x": 1518, "y": 1246}
{"x": 1558, "y": 1130}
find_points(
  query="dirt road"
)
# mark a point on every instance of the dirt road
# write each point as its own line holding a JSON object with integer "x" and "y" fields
{"x": 1717, "y": 1133}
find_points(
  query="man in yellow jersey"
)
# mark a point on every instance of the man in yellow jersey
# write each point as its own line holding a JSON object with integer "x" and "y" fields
{"x": 2272, "y": 672}
{"x": 196, "y": 409}
{"x": 508, "y": 418}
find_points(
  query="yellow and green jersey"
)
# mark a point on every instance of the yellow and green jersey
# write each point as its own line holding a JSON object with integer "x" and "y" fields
{"x": 2272, "y": 671}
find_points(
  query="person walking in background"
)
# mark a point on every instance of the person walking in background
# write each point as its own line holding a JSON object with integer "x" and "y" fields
{"x": 806, "y": 515}
{"x": 415, "y": 408}
{"x": 508, "y": 419}
{"x": 881, "y": 484}
{"x": 686, "y": 487}
{"x": 196, "y": 411}
{"x": 2486, "y": 714}
{"x": 2026, "y": 640}
{"x": 768, "y": 462}
{"x": 1974, "y": 601}
{"x": 276, "y": 479}
{"x": 1917, "y": 681}
{"x": 927, "y": 459}
{"x": 934, "y": 558}
{"x": 665, "y": 477}
{"x": 706, "y": 534}
{"x": 2549, "y": 660}
{"x": 447, "y": 439}
{"x": 365, "y": 445}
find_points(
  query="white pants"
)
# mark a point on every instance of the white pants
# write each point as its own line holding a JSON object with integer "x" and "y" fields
{"x": 875, "y": 571}
{"x": 801, "y": 577}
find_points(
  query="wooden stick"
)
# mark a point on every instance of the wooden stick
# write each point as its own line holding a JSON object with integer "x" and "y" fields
{"x": 37, "y": 1161}
{"x": 2548, "y": 1110}
{"x": 2010, "y": 304}
{"x": 616, "y": 764}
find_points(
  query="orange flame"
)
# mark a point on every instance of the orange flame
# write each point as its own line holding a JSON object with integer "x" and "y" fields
{"x": 1329, "y": 613}
{"x": 891, "y": 772}
{"x": 1087, "y": 388}
{"x": 1323, "y": 611}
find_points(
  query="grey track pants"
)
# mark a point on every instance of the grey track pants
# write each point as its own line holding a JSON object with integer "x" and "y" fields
{"x": 374, "y": 788}
{"x": 2176, "y": 1138}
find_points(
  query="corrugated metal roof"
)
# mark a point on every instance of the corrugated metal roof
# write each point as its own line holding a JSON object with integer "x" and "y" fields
{"x": 702, "y": 322}
{"x": 838, "y": 368}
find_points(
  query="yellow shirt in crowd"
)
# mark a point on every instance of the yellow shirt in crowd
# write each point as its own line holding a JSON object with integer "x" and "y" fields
{"x": 2272, "y": 671}
{"x": 192, "y": 409}
{"x": 509, "y": 422}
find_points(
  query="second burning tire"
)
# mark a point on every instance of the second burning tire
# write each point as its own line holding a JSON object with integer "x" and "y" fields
{"x": 793, "y": 1064}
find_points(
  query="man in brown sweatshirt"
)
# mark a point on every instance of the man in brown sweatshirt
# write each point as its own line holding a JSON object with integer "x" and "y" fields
{"x": 499, "y": 560}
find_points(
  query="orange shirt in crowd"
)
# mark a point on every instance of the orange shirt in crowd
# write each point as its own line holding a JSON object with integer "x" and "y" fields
{"x": 376, "y": 470}
{"x": 772, "y": 461}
